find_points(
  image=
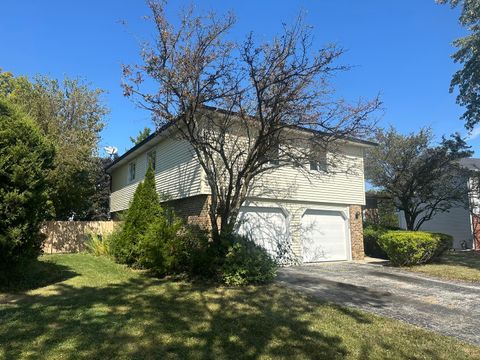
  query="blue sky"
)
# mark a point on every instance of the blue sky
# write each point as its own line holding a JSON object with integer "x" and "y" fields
{"x": 400, "y": 49}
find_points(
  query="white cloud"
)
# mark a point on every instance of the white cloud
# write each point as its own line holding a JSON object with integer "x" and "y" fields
{"x": 474, "y": 134}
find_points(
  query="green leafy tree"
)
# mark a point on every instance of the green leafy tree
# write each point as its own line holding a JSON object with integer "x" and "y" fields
{"x": 422, "y": 178}
{"x": 99, "y": 201}
{"x": 144, "y": 209}
{"x": 467, "y": 79}
{"x": 142, "y": 135}
{"x": 71, "y": 115}
{"x": 26, "y": 156}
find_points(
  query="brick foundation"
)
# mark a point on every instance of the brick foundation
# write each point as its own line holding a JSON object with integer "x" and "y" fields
{"x": 193, "y": 210}
{"x": 356, "y": 232}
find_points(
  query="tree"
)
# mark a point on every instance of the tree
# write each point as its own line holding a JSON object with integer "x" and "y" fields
{"x": 384, "y": 213}
{"x": 71, "y": 115}
{"x": 26, "y": 156}
{"x": 99, "y": 201}
{"x": 467, "y": 79}
{"x": 142, "y": 212}
{"x": 423, "y": 179}
{"x": 268, "y": 92}
{"x": 142, "y": 135}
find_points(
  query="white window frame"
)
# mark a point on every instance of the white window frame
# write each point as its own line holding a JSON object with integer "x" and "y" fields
{"x": 130, "y": 177}
{"x": 277, "y": 155}
{"x": 154, "y": 163}
{"x": 317, "y": 164}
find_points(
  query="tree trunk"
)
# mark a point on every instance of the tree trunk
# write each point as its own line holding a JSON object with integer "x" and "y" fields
{"x": 410, "y": 220}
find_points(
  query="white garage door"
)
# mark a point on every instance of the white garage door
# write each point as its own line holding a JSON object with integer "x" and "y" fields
{"x": 266, "y": 226}
{"x": 324, "y": 236}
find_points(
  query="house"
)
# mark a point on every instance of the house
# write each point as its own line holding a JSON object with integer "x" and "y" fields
{"x": 460, "y": 221}
{"x": 309, "y": 218}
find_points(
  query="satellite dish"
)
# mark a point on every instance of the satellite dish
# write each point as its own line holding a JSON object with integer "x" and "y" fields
{"x": 110, "y": 150}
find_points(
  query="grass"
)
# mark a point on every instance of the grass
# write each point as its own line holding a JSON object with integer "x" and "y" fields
{"x": 454, "y": 265}
{"x": 102, "y": 310}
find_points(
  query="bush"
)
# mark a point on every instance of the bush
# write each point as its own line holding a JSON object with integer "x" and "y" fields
{"x": 97, "y": 245}
{"x": 247, "y": 263}
{"x": 26, "y": 159}
{"x": 195, "y": 253}
{"x": 157, "y": 248}
{"x": 405, "y": 248}
{"x": 144, "y": 209}
{"x": 371, "y": 235}
{"x": 445, "y": 243}
{"x": 169, "y": 247}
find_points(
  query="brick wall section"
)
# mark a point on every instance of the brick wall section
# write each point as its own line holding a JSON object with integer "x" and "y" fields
{"x": 356, "y": 232}
{"x": 193, "y": 209}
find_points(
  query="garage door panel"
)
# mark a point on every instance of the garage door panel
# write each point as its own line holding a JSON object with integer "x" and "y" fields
{"x": 267, "y": 227}
{"x": 324, "y": 236}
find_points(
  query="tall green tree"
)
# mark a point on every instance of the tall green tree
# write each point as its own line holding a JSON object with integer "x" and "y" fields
{"x": 422, "y": 178}
{"x": 26, "y": 156}
{"x": 467, "y": 79}
{"x": 142, "y": 135}
{"x": 143, "y": 210}
{"x": 71, "y": 115}
{"x": 99, "y": 201}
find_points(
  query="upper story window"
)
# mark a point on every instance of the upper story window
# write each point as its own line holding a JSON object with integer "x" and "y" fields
{"x": 318, "y": 160}
{"x": 152, "y": 159}
{"x": 132, "y": 167}
{"x": 273, "y": 155}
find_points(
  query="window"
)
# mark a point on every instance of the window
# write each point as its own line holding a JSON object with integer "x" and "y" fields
{"x": 152, "y": 159}
{"x": 273, "y": 155}
{"x": 131, "y": 171}
{"x": 318, "y": 160}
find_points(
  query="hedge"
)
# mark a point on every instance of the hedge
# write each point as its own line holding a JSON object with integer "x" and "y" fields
{"x": 406, "y": 248}
{"x": 370, "y": 242}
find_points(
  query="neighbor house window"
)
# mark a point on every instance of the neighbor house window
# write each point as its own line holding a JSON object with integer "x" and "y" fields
{"x": 132, "y": 171}
{"x": 318, "y": 160}
{"x": 152, "y": 159}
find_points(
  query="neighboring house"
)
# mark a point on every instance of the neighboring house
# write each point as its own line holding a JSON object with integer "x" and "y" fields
{"x": 459, "y": 221}
{"x": 310, "y": 218}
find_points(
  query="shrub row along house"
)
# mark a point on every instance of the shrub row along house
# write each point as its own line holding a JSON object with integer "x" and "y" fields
{"x": 307, "y": 213}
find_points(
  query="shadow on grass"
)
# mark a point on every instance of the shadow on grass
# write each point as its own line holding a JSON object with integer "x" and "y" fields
{"x": 148, "y": 318}
{"x": 469, "y": 259}
{"x": 127, "y": 315}
{"x": 33, "y": 275}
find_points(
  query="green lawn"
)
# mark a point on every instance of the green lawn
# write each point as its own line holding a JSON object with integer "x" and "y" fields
{"x": 454, "y": 265}
{"x": 97, "y": 309}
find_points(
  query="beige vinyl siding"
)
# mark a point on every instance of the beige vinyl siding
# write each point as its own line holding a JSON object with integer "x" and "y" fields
{"x": 177, "y": 174}
{"x": 343, "y": 185}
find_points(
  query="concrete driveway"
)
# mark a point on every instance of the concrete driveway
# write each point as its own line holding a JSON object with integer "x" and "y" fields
{"x": 450, "y": 308}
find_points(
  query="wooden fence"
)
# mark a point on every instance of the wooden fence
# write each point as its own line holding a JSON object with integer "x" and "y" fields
{"x": 71, "y": 236}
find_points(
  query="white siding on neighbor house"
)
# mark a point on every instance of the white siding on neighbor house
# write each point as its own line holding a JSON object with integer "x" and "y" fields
{"x": 177, "y": 173}
{"x": 338, "y": 187}
{"x": 455, "y": 222}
